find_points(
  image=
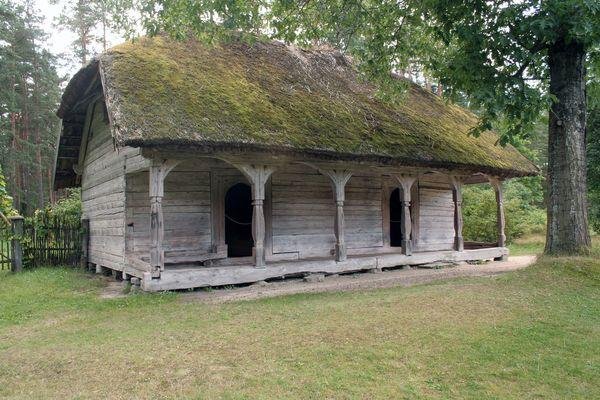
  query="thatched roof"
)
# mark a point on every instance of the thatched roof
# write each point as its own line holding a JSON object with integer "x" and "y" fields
{"x": 274, "y": 97}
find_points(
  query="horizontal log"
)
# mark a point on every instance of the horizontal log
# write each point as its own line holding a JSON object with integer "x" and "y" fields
{"x": 230, "y": 275}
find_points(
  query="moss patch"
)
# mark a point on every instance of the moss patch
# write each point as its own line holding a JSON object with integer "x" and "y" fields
{"x": 267, "y": 94}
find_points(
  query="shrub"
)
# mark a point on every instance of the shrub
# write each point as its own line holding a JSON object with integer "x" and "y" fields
{"x": 67, "y": 209}
{"x": 6, "y": 202}
{"x": 522, "y": 211}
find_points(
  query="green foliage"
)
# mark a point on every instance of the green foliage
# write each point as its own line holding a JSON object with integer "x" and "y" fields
{"x": 29, "y": 98}
{"x": 522, "y": 206}
{"x": 493, "y": 51}
{"x": 593, "y": 172}
{"x": 83, "y": 17}
{"x": 67, "y": 209}
{"x": 6, "y": 201}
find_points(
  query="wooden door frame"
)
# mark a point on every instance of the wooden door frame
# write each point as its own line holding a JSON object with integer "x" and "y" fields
{"x": 219, "y": 184}
{"x": 387, "y": 187}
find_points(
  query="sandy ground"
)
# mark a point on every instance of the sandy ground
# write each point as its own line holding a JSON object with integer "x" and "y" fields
{"x": 358, "y": 281}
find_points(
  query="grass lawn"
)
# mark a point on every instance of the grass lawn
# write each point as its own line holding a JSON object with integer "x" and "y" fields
{"x": 533, "y": 244}
{"x": 530, "y": 334}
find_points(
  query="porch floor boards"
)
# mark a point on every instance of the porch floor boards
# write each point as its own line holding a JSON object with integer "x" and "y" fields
{"x": 192, "y": 276}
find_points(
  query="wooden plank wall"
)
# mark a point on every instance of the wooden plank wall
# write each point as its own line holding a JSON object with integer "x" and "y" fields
{"x": 436, "y": 214}
{"x": 103, "y": 192}
{"x": 303, "y": 212}
{"x": 363, "y": 212}
{"x": 186, "y": 206}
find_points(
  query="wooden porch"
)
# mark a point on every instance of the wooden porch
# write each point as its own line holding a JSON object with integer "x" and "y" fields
{"x": 192, "y": 276}
{"x": 164, "y": 267}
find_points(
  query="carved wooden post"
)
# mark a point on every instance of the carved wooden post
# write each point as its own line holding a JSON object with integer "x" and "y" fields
{"x": 258, "y": 175}
{"x": 386, "y": 191}
{"x": 406, "y": 182}
{"x": 217, "y": 213}
{"x": 157, "y": 257}
{"x": 338, "y": 181}
{"x": 497, "y": 185}
{"x": 159, "y": 169}
{"x": 457, "y": 182}
{"x": 16, "y": 246}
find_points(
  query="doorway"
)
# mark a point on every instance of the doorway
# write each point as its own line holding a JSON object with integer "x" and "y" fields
{"x": 238, "y": 221}
{"x": 396, "y": 218}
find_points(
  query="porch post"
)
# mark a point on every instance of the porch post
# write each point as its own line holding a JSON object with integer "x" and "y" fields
{"x": 338, "y": 181}
{"x": 497, "y": 185}
{"x": 457, "y": 182}
{"x": 159, "y": 169}
{"x": 406, "y": 182}
{"x": 258, "y": 175}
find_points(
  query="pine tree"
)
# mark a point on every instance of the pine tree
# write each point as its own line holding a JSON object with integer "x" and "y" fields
{"x": 83, "y": 18}
{"x": 28, "y": 101}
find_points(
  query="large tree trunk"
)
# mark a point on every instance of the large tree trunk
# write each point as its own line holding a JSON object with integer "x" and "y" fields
{"x": 567, "y": 205}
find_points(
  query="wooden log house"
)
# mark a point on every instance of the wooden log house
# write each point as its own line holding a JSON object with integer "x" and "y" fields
{"x": 215, "y": 165}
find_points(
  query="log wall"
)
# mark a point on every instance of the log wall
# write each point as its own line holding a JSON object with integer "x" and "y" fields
{"x": 186, "y": 206}
{"x": 103, "y": 191}
{"x": 301, "y": 216}
{"x": 303, "y": 212}
{"x": 435, "y": 215}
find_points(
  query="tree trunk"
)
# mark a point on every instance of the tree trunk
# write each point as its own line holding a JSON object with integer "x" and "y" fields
{"x": 567, "y": 205}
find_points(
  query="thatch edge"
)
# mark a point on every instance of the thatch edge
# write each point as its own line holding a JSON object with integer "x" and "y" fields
{"x": 70, "y": 98}
{"x": 208, "y": 148}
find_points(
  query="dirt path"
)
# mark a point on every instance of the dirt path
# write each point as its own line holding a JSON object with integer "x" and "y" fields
{"x": 113, "y": 290}
{"x": 361, "y": 281}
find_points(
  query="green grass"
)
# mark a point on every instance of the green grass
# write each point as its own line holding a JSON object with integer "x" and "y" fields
{"x": 530, "y": 334}
{"x": 534, "y": 244}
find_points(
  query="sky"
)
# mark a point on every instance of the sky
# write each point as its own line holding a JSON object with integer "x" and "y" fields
{"x": 59, "y": 40}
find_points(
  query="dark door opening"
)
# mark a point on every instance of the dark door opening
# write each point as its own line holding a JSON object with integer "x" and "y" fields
{"x": 238, "y": 221}
{"x": 395, "y": 219}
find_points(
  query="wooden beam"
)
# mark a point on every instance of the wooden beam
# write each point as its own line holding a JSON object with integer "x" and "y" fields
{"x": 257, "y": 175}
{"x": 500, "y": 222}
{"x": 339, "y": 178}
{"x": 456, "y": 182}
{"x": 415, "y": 214}
{"x": 238, "y": 274}
{"x": 89, "y": 115}
{"x": 159, "y": 169}
{"x": 406, "y": 182}
{"x": 217, "y": 212}
{"x": 386, "y": 191}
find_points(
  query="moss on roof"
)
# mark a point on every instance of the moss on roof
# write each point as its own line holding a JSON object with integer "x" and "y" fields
{"x": 161, "y": 91}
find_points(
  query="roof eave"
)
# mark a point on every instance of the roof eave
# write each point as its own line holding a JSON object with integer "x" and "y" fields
{"x": 207, "y": 148}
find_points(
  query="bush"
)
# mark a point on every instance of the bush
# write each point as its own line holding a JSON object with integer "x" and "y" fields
{"x": 594, "y": 209}
{"x": 67, "y": 209}
{"x": 523, "y": 213}
{"x": 6, "y": 202}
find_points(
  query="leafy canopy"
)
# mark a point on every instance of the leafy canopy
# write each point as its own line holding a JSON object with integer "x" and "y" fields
{"x": 494, "y": 51}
